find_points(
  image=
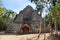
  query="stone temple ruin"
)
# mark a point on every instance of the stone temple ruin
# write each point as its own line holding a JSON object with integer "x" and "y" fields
{"x": 27, "y": 21}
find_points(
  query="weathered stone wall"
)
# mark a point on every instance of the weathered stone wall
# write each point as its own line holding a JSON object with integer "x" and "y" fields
{"x": 19, "y": 18}
{"x": 13, "y": 28}
{"x": 35, "y": 26}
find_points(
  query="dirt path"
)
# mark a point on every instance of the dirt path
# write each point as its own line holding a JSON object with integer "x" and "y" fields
{"x": 16, "y": 37}
{"x": 21, "y": 37}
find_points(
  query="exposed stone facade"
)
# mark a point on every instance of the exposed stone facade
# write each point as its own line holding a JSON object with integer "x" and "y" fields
{"x": 27, "y": 21}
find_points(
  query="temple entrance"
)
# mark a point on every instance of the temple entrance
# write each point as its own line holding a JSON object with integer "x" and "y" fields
{"x": 26, "y": 28}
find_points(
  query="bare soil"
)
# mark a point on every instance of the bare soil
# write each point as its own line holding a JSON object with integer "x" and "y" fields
{"x": 22, "y": 37}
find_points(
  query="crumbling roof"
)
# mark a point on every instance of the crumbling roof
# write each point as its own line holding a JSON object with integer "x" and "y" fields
{"x": 27, "y": 9}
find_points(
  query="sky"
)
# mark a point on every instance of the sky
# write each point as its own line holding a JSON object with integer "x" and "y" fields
{"x": 17, "y": 5}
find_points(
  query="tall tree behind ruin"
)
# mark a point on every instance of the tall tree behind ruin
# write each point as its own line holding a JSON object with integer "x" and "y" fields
{"x": 40, "y": 5}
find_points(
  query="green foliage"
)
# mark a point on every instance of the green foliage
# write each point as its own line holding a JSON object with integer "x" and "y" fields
{"x": 6, "y": 17}
{"x": 54, "y": 15}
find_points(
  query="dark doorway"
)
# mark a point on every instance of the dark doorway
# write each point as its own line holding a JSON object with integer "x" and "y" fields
{"x": 25, "y": 28}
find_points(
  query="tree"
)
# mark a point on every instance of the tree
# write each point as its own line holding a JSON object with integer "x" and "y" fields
{"x": 40, "y": 5}
{"x": 6, "y": 16}
{"x": 55, "y": 15}
{"x": 9, "y": 16}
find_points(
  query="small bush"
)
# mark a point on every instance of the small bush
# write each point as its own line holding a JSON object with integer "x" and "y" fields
{"x": 2, "y": 26}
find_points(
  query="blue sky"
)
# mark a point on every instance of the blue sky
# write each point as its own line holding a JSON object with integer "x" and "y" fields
{"x": 17, "y": 5}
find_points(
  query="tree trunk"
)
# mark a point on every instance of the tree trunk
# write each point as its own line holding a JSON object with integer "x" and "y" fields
{"x": 50, "y": 24}
{"x": 40, "y": 27}
{"x": 44, "y": 31}
{"x": 40, "y": 24}
{"x": 50, "y": 28}
{"x": 56, "y": 26}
